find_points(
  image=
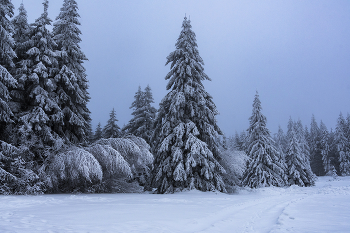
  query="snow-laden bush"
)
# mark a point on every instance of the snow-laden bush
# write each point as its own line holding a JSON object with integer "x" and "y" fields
{"x": 112, "y": 163}
{"x": 135, "y": 151}
{"x": 73, "y": 170}
{"x": 234, "y": 162}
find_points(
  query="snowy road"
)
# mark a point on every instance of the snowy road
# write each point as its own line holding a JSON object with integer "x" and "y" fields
{"x": 324, "y": 208}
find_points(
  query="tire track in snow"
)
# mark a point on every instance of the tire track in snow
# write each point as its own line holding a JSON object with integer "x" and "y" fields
{"x": 258, "y": 215}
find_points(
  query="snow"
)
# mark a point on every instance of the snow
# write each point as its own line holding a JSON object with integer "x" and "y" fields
{"x": 322, "y": 208}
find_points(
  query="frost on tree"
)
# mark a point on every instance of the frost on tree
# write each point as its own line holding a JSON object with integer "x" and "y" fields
{"x": 264, "y": 168}
{"x": 141, "y": 124}
{"x": 298, "y": 164}
{"x": 184, "y": 140}
{"x": 6, "y": 63}
{"x": 40, "y": 115}
{"x": 111, "y": 130}
{"x": 71, "y": 79}
{"x": 342, "y": 146}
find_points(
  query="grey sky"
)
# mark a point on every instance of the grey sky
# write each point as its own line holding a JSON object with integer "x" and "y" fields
{"x": 296, "y": 53}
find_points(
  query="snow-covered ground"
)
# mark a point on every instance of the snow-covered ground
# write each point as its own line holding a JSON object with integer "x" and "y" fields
{"x": 323, "y": 208}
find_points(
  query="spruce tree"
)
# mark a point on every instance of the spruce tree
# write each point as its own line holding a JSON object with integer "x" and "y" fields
{"x": 72, "y": 85}
{"x": 21, "y": 34}
{"x": 21, "y": 37}
{"x": 298, "y": 165}
{"x": 6, "y": 63}
{"x": 39, "y": 110}
{"x": 342, "y": 146}
{"x": 111, "y": 130}
{"x": 98, "y": 132}
{"x": 184, "y": 140}
{"x": 325, "y": 148}
{"x": 302, "y": 134}
{"x": 315, "y": 148}
{"x": 264, "y": 168}
{"x": 141, "y": 125}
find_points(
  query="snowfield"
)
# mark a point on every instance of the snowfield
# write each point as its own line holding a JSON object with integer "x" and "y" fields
{"x": 323, "y": 208}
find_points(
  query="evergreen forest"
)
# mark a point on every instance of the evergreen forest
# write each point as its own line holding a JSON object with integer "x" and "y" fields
{"x": 48, "y": 145}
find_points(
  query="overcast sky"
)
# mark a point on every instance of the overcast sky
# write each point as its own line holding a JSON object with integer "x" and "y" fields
{"x": 296, "y": 53}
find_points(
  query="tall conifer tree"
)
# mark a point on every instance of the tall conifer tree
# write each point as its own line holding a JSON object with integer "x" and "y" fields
{"x": 21, "y": 37}
{"x": 6, "y": 63}
{"x": 39, "y": 112}
{"x": 184, "y": 140}
{"x": 72, "y": 85}
{"x": 265, "y": 167}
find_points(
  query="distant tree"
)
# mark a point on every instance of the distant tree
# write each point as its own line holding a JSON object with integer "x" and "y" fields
{"x": 264, "y": 167}
{"x": 111, "y": 130}
{"x": 71, "y": 82}
{"x": 281, "y": 145}
{"x": 98, "y": 132}
{"x": 141, "y": 124}
{"x": 325, "y": 150}
{"x": 333, "y": 154}
{"x": 298, "y": 165}
{"x": 302, "y": 135}
{"x": 184, "y": 140}
{"x": 238, "y": 141}
{"x": 342, "y": 146}
{"x": 281, "y": 140}
{"x": 315, "y": 148}
{"x": 6, "y": 63}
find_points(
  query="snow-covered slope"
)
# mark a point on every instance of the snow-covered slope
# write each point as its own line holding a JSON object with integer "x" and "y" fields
{"x": 323, "y": 208}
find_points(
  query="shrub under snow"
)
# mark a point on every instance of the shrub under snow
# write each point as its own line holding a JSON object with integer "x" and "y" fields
{"x": 75, "y": 169}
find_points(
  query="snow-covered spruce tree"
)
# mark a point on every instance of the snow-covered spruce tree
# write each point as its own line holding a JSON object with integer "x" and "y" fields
{"x": 72, "y": 85}
{"x": 325, "y": 151}
{"x": 184, "y": 140}
{"x": 315, "y": 148}
{"x": 21, "y": 37}
{"x": 281, "y": 145}
{"x": 342, "y": 146}
{"x": 6, "y": 63}
{"x": 21, "y": 34}
{"x": 298, "y": 165}
{"x": 39, "y": 111}
{"x": 302, "y": 134}
{"x": 98, "y": 132}
{"x": 111, "y": 129}
{"x": 141, "y": 124}
{"x": 264, "y": 168}
{"x": 238, "y": 141}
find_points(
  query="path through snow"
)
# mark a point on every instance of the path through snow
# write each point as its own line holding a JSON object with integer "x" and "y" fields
{"x": 323, "y": 208}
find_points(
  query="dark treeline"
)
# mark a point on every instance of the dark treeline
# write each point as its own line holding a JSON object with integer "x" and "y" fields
{"x": 327, "y": 150}
{"x": 47, "y": 144}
